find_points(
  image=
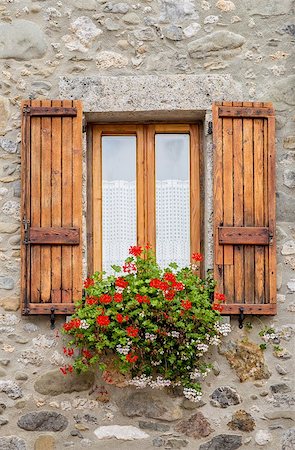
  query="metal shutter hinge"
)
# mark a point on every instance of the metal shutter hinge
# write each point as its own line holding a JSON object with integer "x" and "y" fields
{"x": 210, "y": 128}
{"x": 26, "y": 224}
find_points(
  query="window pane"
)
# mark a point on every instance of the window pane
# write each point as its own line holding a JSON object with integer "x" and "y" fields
{"x": 172, "y": 199}
{"x": 118, "y": 198}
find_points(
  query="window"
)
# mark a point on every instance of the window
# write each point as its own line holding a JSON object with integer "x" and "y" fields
{"x": 144, "y": 186}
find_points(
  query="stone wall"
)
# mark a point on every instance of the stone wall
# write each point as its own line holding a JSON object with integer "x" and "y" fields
{"x": 236, "y": 50}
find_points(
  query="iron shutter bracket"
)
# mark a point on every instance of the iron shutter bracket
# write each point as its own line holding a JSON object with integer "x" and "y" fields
{"x": 52, "y": 318}
{"x": 26, "y": 224}
{"x": 241, "y": 318}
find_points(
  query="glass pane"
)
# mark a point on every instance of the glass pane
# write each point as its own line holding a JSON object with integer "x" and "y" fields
{"x": 172, "y": 199}
{"x": 118, "y": 198}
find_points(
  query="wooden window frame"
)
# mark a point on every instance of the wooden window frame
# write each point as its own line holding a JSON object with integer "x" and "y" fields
{"x": 145, "y": 184}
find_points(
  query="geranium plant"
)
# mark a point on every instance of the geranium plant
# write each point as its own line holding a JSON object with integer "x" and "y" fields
{"x": 158, "y": 324}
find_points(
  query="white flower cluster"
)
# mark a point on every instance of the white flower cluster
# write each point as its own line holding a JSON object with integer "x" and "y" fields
{"x": 174, "y": 334}
{"x": 269, "y": 337}
{"x": 159, "y": 383}
{"x": 214, "y": 340}
{"x": 192, "y": 395}
{"x": 130, "y": 268}
{"x": 198, "y": 375}
{"x": 150, "y": 336}
{"x": 84, "y": 324}
{"x": 202, "y": 347}
{"x": 123, "y": 350}
{"x": 156, "y": 363}
{"x": 144, "y": 381}
{"x": 223, "y": 328}
{"x": 119, "y": 290}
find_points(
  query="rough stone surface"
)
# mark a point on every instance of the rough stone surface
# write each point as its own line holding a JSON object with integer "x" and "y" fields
{"x": 288, "y": 441}
{"x": 155, "y": 426}
{"x": 220, "y": 42}
{"x": 43, "y": 421}
{"x": 105, "y": 60}
{"x": 248, "y": 360}
{"x": 148, "y": 404}
{"x": 241, "y": 420}
{"x": 263, "y": 437}
{"x": 225, "y": 396}
{"x": 22, "y": 40}
{"x": 196, "y": 426}
{"x": 54, "y": 382}
{"x": 223, "y": 442}
{"x": 11, "y": 389}
{"x": 45, "y": 442}
{"x": 12, "y": 443}
{"x": 126, "y": 433}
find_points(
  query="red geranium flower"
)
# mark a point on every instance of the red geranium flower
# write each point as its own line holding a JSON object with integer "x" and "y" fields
{"x": 131, "y": 358}
{"x": 103, "y": 321}
{"x": 155, "y": 283}
{"x": 148, "y": 246}
{"x": 220, "y": 297}
{"x": 120, "y": 282}
{"x": 178, "y": 286}
{"x": 169, "y": 276}
{"x": 88, "y": 282}
{"x": 91, "y": 300}
{"x": 217, "y": 307}
{"x": 105, "y": 299}
{"x": 118, "y": 297}
{"x": 120, "y": 318}
{"x": 87, "y": 354}
{"x": 135, "y": 250}
{"x": 74, "y": 323}
{"x": 131, "y": 331}
{"x": 63, "y": 370}
{"x": 197, "y": 257}
{"x": 186, "y": 304}
{"x": 169, "y": 295}
{"x": 142, "y": 298}
{"x": 70, "y": 368}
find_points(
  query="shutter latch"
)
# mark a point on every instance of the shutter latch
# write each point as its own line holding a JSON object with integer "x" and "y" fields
{"x": 241, "y": 318}
{"x": 26, "y": 224}
{"x": 270, "y": 235}
{"x": 52, "y": 318}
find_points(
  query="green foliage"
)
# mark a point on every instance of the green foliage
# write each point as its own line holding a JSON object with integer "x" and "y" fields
{"x": 156, "y": 323}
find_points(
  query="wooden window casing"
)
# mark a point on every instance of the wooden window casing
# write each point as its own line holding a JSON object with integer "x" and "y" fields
{"x": 145, "y": 184}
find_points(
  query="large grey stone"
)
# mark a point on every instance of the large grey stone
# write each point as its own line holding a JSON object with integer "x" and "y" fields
{"x": 89, "y": 5}
{"x": 225, "y": 396}
{"x": 219, "y": 42}
{"x": 176, "y": 11}
{"x": 43, "y": 421}
{"x": 12, "y": 443}
{"x": 6, "y": 144}
{"x": 5, "y": 112}
{"x": 173, "y": 33}
{"x": 223, "y": 442}
{"x": 7, "y": 227}
{"x": 289, "y": 178}
{"x": 263, "y": 437}
{"x": 196, "y": 426}
{"x": 117, "y": 8}
{"x": 280, "y": 388}
{"x": 11, "y": 389}
{"x": 289, "y": 142}
{"x": 54, "y": 382}
{"x": 148, "y": 404}
{"x": 6, "y": 283}
{"x": 288, "y": 442}
{"x": 285, "y": 207}
{"x": 21, "y": 40}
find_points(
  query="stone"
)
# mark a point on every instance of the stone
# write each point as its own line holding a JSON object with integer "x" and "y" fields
{"x": 122, "y": 432}
{"x": 274, "y": 415}
{"x": 6, "y": 283}
{"x": 176, "y": 443}
{"x": 280, "y": 388}
{"x": 44, "y": 341}
{"x": 281, "y": 298}
{"x": 155, "y": 426}
{"x": 21, "y": 340}
{"x": 148, "y": 404}
{"x": 11, "y": 208}
{"x": 30, "y": 327}
{"x": 187, "y": 404}
{"x": 111, "y": 25}
{"x": 176, "y": 11}
{"x": 267, "y": 8}
{"x": 192, "y": 29}
{"x": 225, "y": 5}
{"x": 248, "y": 360}
{"x": 12, "y": 443}
{"x": 5, "y": 144}
{"x": 3, "y": 421}
{"x": 223, "y": 442}
{"x": 196, "y": 426}
{"x": 10, "y": 303}
{"x": 289, "y": 178}
{"x": 289, "y": 142}
{"x": 241, "y": 420}
{"x": 288, "y": 440}
{"x": 21, "y": 376}
{"x": 45, "y": 442}
{"x": 54, "y": 382}
{"x": 116, "y": 8}
{"x": 2, "y": 408}
{"x": 225, "y": 396}
{"x": 216, "y": 368}
{"x": 6, "y": 227}
{"x": 158, "y": 442}
{"x": 217, "y": 43}
{"x": 173, "y": 33}
{"x": 76, "y": 433}
{"x": 107, "y": 60}
{"x": 11, "y": 389}
{"x": 282, "y": 353}
{"x": 3, "y": 373}
{"x": 5, "y": 114}
{"x": 30, "y": 356}
{"x": 43, "y": 421}
{"x": 4, "y": 362}
{"x": 90, "y": 5}
{"x": 22, "y": 40}
{"x": 145, "y": 34}
{"x": 263, "y": 437}
{"x": 291, "y": 285}
{"x": 131, "y": 18}
{"x": 85, "y": 30}
{"x": 281, "y": 370}
{"x": 288, "y": 247}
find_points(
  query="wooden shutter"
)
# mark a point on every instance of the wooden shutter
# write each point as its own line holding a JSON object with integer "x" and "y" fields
{"x": 244, "y": 206}
{"x": 51, "y": 251}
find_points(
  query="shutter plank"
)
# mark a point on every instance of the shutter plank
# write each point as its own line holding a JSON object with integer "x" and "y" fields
{"x": 239, "y": 294}
{"x": 56, "y": 204}
{"x": 266, "y": 209}
{"x": 67, "y": 199}
{"x": 46, "y": 202}
{"x": 195, "y": 194}
{"x": 35, "y": 203}
{"x": 272, "y": 208}
{"x": 228, "y": 202}
{"x": 77, "y": 200}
